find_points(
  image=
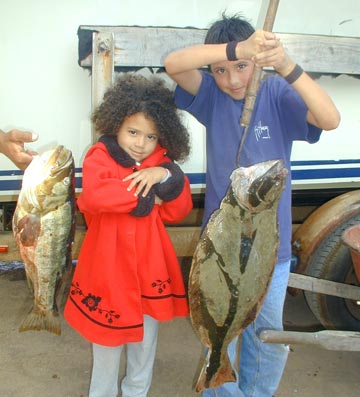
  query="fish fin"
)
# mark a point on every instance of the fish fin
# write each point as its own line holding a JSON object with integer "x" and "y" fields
{"x": 64, "y": 288}
{"x": 224, "y": 373}
{"x": 30, "y": 283}
{"x": 37, "y": 321}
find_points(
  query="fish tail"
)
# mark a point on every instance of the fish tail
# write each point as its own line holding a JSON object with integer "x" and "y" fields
{"x": 37, "y": 321}
{"x": 210, "y": 379}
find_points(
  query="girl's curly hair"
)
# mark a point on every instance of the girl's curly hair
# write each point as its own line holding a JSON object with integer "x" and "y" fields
{"x": 133, "y": 94}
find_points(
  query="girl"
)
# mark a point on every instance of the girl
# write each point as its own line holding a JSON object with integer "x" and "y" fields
{"x": 128, "y": 277}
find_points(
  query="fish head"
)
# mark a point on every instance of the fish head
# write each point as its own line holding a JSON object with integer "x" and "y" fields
{"x": 259, "y": 186}
{"x": 48, "y": 180}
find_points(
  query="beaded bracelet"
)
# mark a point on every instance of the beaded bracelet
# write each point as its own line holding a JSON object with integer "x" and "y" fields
{"x": 294, "y": 74}
{"x": 231, "y": 51}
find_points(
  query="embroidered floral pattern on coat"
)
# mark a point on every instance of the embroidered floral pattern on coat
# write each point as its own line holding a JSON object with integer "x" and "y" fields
{"x": 91, "y": 302}
{"x": 160, "y": 285}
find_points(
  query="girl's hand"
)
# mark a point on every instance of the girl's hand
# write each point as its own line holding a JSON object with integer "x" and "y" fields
{"x": 145, "y": 179}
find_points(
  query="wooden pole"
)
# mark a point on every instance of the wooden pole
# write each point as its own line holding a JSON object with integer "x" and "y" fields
{"x": 256, "y": 76}
{"x": 330, "y": 340}
{"x": 102, "y": 69}
{"x": 253, "y": 87}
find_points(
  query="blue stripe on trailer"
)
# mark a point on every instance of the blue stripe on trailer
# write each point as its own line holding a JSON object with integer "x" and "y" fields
{"x": 11, "y": 180}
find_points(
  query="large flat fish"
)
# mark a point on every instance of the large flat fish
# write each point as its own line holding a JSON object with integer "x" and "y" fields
{"x": 233, "y": 264}
{"x": 43, "y": 225}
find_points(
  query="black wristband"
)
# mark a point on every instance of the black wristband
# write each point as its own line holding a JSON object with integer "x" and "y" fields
{"x": 173, "y": 187}
{"x": 231, "y": 51}
{"x": 294, "y": 74}
{"x": 145, "y": 204}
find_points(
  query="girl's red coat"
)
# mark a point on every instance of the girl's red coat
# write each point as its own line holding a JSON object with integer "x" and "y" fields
{"x": 127, "y": 266}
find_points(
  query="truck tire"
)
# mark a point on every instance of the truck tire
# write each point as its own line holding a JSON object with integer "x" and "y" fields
{"x": 332, "y": 261}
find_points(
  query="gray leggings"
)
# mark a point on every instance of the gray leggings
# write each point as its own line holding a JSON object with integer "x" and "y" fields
{"x": 139, "y": 369}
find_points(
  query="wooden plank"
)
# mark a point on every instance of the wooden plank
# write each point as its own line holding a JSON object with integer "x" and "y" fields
{"x": 330, "y": 340}
{"x": 327, "y": 54}
{"x": 147, "y": 46}
{"x": 184, "y": 239}
{"x": 142, "y": 47}
{"x": 321, "y": 286}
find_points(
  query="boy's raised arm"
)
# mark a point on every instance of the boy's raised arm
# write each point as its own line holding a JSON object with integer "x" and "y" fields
{"x": 321, "y": 109}
{"x": 182, "y": 65}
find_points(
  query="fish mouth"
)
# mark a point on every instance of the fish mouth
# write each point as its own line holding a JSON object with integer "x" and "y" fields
{"x": 50, "y": 174}
{"x": 47, "y": 169}
{"x": 258, "y": 186}
{"x": 59, "y": 160}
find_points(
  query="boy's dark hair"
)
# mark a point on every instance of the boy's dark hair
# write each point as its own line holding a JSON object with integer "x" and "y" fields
{"x": 234, "y": 28}
{"x": 133, "y": 94}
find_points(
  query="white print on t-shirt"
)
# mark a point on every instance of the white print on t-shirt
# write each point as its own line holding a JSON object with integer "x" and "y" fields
{"x": 262, "y": 132}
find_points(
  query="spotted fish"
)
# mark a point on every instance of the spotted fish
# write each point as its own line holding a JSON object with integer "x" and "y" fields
{"x": 233, "y": 264}
{"x": 43, "y": 225}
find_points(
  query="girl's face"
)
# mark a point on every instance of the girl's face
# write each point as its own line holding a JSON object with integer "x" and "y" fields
{"x": 232, "y": 77}
{"x": 138, "y": 136}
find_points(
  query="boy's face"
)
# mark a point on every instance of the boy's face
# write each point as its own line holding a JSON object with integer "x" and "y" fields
{"x": 138, "y": 136}
{"x": 232, "y": 77}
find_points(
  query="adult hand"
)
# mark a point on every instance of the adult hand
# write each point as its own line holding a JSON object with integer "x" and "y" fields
{"x": 12, "y": 146}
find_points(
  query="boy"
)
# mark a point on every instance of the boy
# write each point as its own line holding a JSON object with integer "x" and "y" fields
{"x": 288, "y": 108}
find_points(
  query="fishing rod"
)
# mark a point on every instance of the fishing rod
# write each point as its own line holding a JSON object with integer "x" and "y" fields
{"x": 253, "y": 87}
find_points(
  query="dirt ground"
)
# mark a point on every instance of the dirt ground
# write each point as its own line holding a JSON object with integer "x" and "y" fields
{"x": 39, "y": 364}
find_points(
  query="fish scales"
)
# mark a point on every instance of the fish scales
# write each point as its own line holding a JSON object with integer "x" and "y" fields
{"x": 43, "y": 226}
{"x": 233, "y": 264}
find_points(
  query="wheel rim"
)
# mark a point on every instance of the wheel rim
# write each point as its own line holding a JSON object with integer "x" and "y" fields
{"x": 352, "y": 306}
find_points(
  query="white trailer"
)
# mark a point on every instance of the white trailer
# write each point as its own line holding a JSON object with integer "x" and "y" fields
{"x": 326, "y": 176}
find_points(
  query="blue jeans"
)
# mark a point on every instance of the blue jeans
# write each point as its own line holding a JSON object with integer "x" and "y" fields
{"x": 261, "y": 364}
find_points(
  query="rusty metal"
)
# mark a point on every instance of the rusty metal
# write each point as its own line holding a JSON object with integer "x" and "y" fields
{"x": 322, "y": 222}
{"x": 351, "y": 238}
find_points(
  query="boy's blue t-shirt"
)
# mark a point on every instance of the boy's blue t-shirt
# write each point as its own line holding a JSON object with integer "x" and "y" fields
{"x": 278, "y": 119}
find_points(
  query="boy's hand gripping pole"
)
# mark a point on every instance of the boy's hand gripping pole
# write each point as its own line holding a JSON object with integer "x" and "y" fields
{"x": 253, "y": 87}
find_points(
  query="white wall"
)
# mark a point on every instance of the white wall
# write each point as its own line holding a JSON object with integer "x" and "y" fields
{"x": 43, "y": 89}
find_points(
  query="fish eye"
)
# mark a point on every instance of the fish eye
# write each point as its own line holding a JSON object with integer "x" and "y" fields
{"x": 66, "y": 181}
